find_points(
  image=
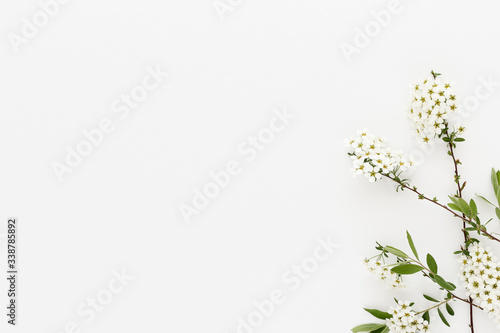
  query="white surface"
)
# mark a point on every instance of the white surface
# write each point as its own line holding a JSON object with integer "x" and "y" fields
{"x": 120, "y": 207}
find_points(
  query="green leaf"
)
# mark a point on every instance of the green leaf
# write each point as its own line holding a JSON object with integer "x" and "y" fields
{"x": 378, "y": 314}
{"x": 454, "y": 199}
{"x": 498, "y": 196}
{"x": 441, "y": 315}
{"x": 412, "y": 245}
{"x": 473, "y": 207}
{"x": 485, "y": 199}
{"x": 367, "y": 327}
{"x": 454, "y": 207}
{"x": 494, "y": 180}
{"x": 449, "y": 309}
{"x": 497, "y": 211}
{"x": 381, "y": 330}
{"x": 396, "y": 252}
{"x": 432, "y": 299}
{"x": 407, "y": 269}
{"x": 446, "y": 139}
{"x": 426, "y": 316}
{"x": 439, "y": 280}
{"x": 464, "y": 206}
{"x": 459, "y": 140}
{"x": 432, "y": 264}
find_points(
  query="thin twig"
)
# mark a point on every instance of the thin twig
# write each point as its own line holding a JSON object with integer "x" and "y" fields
{"x": 466, "y": 235}
{"x": 423, "y": 197}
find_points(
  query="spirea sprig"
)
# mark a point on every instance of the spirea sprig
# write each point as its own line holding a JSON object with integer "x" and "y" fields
{"x": 480, "y": 273}
{"x": 432, "y": 103}
{"x": 405, "y": 319}
{"x": 373, "y": 158}
{"x": 432, "y": 109}
{"x": 384, "y": 273}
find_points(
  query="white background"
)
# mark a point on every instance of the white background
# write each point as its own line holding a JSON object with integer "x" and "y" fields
{"x": 119, "y": 209}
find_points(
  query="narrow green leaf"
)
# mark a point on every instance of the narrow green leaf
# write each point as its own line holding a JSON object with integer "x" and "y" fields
{"x": 432, "y": 264}
{"x": 439, "y": 280}
{"x": 367, "y": 327}
{"x": 396, "y": 252}
{"x": 449, "y": 309}
{"x": 432, "y": 299}
{"x": 464, "y": 206}
{"x": 454, "y": 199}
{"x": 473, "y": 207}
{"x": 497, "y": 211}
{"x": 498, "y": 196}
{"x": 441, "y": 315}
{"x": 407, "y": 269}
{"x": 378, "y": 314}
{"x": 494, "y": 180}
{"x": 459, "y": 140}
{"x": 485, "y": 199}
{"x": 426, "y": 316}
{"x": 454, "y": 207}
{"x": 412, "y": 245}
{"x": 381, "y": 330}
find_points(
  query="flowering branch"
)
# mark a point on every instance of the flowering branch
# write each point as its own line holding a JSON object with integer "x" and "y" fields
{"x": 432, "y": 103}
{"x": 404, "y": 267}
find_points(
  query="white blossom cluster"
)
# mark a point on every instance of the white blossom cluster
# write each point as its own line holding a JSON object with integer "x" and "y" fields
{"x": 405, "y": 320}
{"x": 371, "y": 156}
{"x": 481, "y": 275}
{"x": 383, "y": 273}
{"x": 432, "y": 103}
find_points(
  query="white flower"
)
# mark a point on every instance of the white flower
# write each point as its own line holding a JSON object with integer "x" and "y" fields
{"x": 432, "y": 104}
{"x": 371, "y": 156}
{"x": 405, "y": 320}
{"x": 480, "y": 274}
{"x": 384, "y": 273}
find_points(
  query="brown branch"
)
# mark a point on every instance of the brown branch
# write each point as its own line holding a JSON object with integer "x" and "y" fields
{"x": 452, "y": 294}
{"x": 423, "y": 197}
{"x": 466, "y": 234}
{"x": 457, "y": 180}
